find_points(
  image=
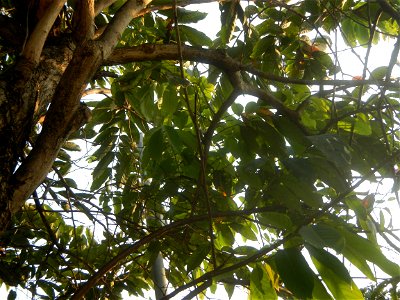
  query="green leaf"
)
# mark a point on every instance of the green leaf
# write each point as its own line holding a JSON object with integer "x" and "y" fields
{"x": 225, "y": 236}
{"x": 197, "y": 257}
{"x": 321, "y": 235}
{"x": 100, "y": 179}
{"x": 362, "y": 124}
{"x": 147, "y": 106}
{"x": 274, "y": 219}
{"x": 71, "y": 146}
{"x": 237, "y": 108}
{"x": 47, "y": 287}
{"x": 260, "y": 284}
{"x": 194, "y": 37}
{"x": 319, "y": 291}
{"x": 333, "y": 148}
{"x": 348, "y": 32}
{"x": 173, "y": 138}
{"x": 293, "y": 134}
{"x": 70, "y": 182}
{"x": 334, "y": 275}
{"x": 169, "y": 102}
{"x": 364, "y": 249}
{"x": 302, "y": 191}
{"x": 379, "y": 73}
{"x": 245, "y": 231}
{"x": 355, "y": 204}
{"x": 154, "y": 146}
{"x": 184, "y": 15}
{"x": 263, "y": 45}
{"x": 230, "y": 289}
{"x": 103, "y": 164}
{"x": 245, "y": 250}
{"x": 295, "y": 272}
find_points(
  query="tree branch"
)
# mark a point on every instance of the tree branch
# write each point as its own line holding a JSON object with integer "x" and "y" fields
{"x": 102, "y": 4}
{"x": 216, "y": 118}
{"x": 210, "y": 275}
{"x": 112, "y": 34}
{"x": 66, "y": 114}
{"x": 83, "y": 20}
{"x": 103, "y": 91}
{"x": 218, "y": 58}
{"x": 158, "y": 234}
{"x": 270, "y": 100}
{"x": 35, "y": 43}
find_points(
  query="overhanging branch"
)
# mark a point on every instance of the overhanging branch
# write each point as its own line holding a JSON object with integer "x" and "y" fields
{"x": 35, "y": 43}
{"x": 167, "y": 229}
{"x": 218, "y": 58}
{"x": 102, "y": 4}
{"x": 112, "y": 34}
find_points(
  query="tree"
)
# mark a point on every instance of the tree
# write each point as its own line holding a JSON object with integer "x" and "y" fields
{"x": 182, "y": 173}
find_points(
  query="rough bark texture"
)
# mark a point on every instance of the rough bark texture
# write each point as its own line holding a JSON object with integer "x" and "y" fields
{"x": 47, "y": 80}
{"x": 25, "y": 93}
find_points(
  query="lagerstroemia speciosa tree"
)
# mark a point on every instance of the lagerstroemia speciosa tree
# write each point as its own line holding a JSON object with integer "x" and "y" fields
{"x": 221, "y": 161}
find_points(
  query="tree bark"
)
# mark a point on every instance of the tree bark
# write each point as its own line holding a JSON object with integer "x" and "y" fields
{"x": 55, "y": 76}
{"x": 25, "y": 93}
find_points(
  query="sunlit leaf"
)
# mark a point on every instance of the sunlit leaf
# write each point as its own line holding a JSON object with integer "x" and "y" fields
{"x": 334, "y": 275}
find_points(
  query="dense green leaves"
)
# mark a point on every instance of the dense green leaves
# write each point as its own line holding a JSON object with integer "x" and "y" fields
{"x": 233, "y": 168}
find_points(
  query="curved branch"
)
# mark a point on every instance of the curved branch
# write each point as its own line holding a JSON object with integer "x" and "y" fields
{"x": 102, "y": 91}
{"x": 270, "y": 100}
{"x": 217, "y": 117}
{"x": 35, "y": 43}
{"x": 81, "y": 292}
{"x": 112, "y": 34}
{"x": 102, "y": 4}
{"x": 220, "y": 59}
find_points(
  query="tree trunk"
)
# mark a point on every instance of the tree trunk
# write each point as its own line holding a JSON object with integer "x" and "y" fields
{"x": 25, "y": 93}
{"x": 56, "y": 74}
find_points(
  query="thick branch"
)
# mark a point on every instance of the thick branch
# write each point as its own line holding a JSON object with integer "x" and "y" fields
{"x": 218, "y": 58}
{"x": 65, "y": 113}
{"x": 83, "y": 22}
{"x": 35, "y": 43}
{"x": 102, "y": 4}
{"x": 157, "y": 52}
{"x": 131, "y": 9}
{"x": 63, "y": 117}
{"x": 103, "y": 91}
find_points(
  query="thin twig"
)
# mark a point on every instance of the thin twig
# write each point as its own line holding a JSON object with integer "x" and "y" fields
{"x": 202, "y": 151}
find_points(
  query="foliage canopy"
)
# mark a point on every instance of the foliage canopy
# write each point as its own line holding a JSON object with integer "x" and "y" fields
{"x": 230, "y": 158}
